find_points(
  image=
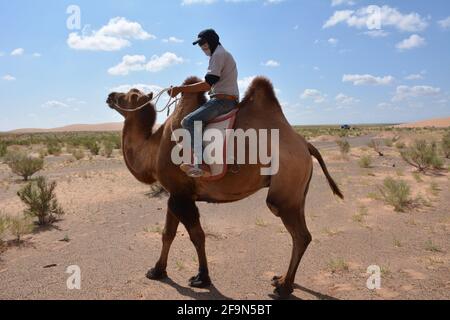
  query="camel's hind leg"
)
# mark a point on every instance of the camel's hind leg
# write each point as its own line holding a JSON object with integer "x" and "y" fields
{"x": 293, "y": 218}
{"x": 295, "y": 223}
{"x": 168, "y": 235}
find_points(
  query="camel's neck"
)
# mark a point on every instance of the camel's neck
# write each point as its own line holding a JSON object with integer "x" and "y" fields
{"x": 140, "y": 146}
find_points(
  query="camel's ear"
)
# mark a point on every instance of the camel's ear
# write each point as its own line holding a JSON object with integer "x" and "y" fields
{"x": 150, "y": 96}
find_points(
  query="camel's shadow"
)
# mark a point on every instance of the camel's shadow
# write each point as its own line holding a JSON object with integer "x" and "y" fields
{"x": 212, "y": 293}
{"x": 316, "y": 294}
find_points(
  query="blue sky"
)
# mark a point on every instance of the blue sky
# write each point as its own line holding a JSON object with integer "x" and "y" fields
{"x": 331, "y": 61}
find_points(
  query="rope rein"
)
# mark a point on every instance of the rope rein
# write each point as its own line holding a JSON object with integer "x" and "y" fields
{"x": 157, "y": 97}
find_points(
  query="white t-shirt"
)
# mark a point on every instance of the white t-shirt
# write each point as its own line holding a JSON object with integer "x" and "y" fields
{"x": 222, "y": 64}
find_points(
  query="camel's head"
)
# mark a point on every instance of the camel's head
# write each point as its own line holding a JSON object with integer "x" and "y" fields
{"x": 121, "y": 102}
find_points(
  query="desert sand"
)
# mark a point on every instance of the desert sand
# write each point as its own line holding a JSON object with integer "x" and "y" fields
{"x": 112, "y": 231}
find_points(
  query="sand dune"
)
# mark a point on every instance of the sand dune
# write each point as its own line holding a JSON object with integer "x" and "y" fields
{"x": 437, "y": 123}
{"x": 117, "y": 126}
{"x": 112, "y": 126}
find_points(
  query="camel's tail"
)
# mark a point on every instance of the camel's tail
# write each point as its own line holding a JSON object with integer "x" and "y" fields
{"x": 316, "y": 154}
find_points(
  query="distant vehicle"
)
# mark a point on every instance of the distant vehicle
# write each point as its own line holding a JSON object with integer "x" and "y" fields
{"x": 346, "y": 127}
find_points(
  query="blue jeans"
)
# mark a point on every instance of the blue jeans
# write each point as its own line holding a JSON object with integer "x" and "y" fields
{"x": 207, "y": 112}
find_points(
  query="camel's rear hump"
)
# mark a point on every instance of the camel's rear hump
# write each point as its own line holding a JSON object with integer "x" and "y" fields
{"x": 261, "y": 91}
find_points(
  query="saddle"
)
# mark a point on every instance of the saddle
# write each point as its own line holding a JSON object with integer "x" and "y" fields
{"x": 221, "y": 123}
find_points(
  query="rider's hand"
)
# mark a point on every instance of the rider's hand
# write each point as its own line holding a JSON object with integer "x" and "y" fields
{"x": 174, "y": 91}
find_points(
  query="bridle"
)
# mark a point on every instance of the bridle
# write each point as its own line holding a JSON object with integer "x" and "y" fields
{"x": 157, "y": 97}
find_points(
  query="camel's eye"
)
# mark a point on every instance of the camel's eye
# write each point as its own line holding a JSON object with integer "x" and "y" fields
{"x": 121, "y": 100}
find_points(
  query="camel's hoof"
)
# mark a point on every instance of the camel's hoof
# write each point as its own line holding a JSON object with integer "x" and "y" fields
{"x": 155, "y": 274}
{"x": 276, "y": 281}
{"x": 281, "y": 289}
{"x": 283, "y": 292}
{"x": 200, "y": 281}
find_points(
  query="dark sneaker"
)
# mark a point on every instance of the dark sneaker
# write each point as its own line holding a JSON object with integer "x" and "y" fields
{"x": 196, "y": 172}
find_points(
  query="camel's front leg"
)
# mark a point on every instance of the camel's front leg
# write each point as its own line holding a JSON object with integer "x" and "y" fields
{"x": 186, "y": 211}
{"x": 168, "y": 235}
{"x": 197, "y": 236}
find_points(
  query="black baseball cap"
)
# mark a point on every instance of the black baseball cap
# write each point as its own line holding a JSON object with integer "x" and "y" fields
{"x": 208, "y": 35}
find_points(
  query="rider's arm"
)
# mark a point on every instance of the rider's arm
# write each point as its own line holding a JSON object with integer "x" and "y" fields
{"x": 196, "y": 87}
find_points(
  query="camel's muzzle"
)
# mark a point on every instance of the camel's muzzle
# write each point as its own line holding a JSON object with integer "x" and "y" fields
{"x": 111, "y": 100}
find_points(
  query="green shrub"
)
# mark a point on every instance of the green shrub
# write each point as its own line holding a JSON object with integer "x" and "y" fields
{"x": 43, "y": 153}
{"x": 388, "y": 143}
{"x": 446, "y": 145}
{"x": 344, "y": 146}
{"x": 422, "y": 155}
{"x": 93, "y": 147}
{"x": 23, "y": 165}
{"x": 40, "y": 199}
{"x": 108, "y": 148}
{"x": 78, "y": 154}
{"x": 396, "y": 193}
{"x": 3, "y": 149}
{"x": 400, "y": 145}
{"x": 4, "y": 224}
{"x": 157, "y": 191}
{"x": 365, "y": 161}
{"x": 20, "y": 226}
{"x": 54, "y": 148}
{"x": 376, "y": 146}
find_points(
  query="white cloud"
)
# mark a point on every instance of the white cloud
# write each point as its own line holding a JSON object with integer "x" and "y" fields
{"x": 367, "y": 79}
{"x": 406, "y": 92}
{"x": 157, "y": 63}
{"x": 96, "y": 42}
{"x": 414, "y": 41}
{"x": 54, "y": 104}
{"x": 37, "y": 55}
{"x": 139, "y": 63}
{"x": 75, "y": 100}
{"x": 271, "y": 63}
{"x": 338, "y": 17}
{"x": 173, "y": 40}
{"x": 412, "y": 77}
{"x": 114, "y": 36}
{"x": 333, "y": 41}
{"x": 314, "y": 94}
{"x": 268, "y": 2}
{"x": 445, "y": 23}
{"x": 128, "y": 64}
{"x": 376, "y": 33}
{"x": 387, "y": 16}
{"x": 146, "y": 88}
{"x": 18, "y": 52}
{"x": 8, "y": 77}
{"x": 335, "y": 3}
{"x": 344, "y": 99}
{"x": 2, "y": 54}
{"x": 191, "y": 2}
{"x": 245, "y": 83}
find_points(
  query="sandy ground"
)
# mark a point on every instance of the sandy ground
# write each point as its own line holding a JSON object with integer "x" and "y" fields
{"x": 114, "y": 231}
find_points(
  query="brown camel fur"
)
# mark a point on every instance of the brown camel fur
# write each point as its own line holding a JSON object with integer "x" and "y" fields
{"x": 147, "y": 156}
